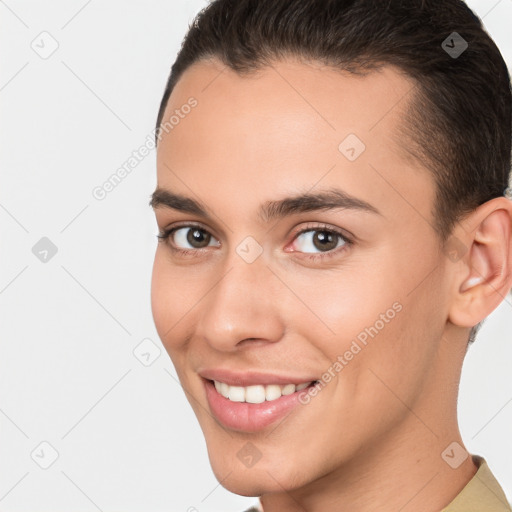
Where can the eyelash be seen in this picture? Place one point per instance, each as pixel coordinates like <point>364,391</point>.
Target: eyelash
<point>164,236</point>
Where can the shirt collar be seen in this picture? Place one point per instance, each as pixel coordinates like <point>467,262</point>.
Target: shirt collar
<point>482,492</point>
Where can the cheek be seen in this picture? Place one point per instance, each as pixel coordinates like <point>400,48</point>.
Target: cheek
<point>367,298</point>
<point>367,315</point>
<point>159,297</point>
<point>169,300</point>
<point>353,303</point>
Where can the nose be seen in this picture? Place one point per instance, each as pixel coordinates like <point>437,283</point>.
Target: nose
<point>243,307</point>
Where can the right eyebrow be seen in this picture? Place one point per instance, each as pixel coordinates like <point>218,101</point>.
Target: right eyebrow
<point>162,198</point>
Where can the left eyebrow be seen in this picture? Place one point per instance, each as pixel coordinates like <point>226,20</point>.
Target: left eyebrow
<point>324,200</point>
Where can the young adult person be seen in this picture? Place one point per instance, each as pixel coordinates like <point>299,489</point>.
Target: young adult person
<point>335,225</point>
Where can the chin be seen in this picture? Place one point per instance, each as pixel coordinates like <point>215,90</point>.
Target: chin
<point>267,475</point>
<point>247,482</point>
<point>249,486</point>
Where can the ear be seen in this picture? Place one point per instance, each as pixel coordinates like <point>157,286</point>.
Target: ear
<point>483,274</point>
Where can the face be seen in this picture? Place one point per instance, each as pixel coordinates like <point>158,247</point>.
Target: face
<point>297,251</point>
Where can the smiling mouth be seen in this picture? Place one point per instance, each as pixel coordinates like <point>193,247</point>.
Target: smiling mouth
<point>258,394</point>
<point>253,407</point>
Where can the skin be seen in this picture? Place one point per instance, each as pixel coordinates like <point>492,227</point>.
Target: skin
<point>372,438</point>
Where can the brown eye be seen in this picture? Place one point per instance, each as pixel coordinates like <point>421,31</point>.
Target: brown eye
<point>325,240</point>
<point>322,240</point>
<point>187,238</point>
<point>190,237</point>
<point>198,238</point>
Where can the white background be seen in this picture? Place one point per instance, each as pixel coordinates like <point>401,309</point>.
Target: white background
<point>126,436</point>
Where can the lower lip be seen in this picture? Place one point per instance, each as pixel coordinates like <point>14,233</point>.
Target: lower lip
<point>245,416</point>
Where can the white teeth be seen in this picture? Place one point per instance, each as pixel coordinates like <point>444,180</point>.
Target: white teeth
<point>224,389</point>
<point>236,394</point>
<point>288,389</point>
<point>272,392</point>
<point>257,394</point>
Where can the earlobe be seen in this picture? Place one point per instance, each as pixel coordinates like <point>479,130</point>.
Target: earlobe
<point>488,265</point>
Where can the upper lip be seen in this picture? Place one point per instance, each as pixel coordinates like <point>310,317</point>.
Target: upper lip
<point>250,378</point>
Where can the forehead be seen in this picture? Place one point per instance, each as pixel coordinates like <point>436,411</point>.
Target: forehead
<point>296,92</point>
<point>291,124</point>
